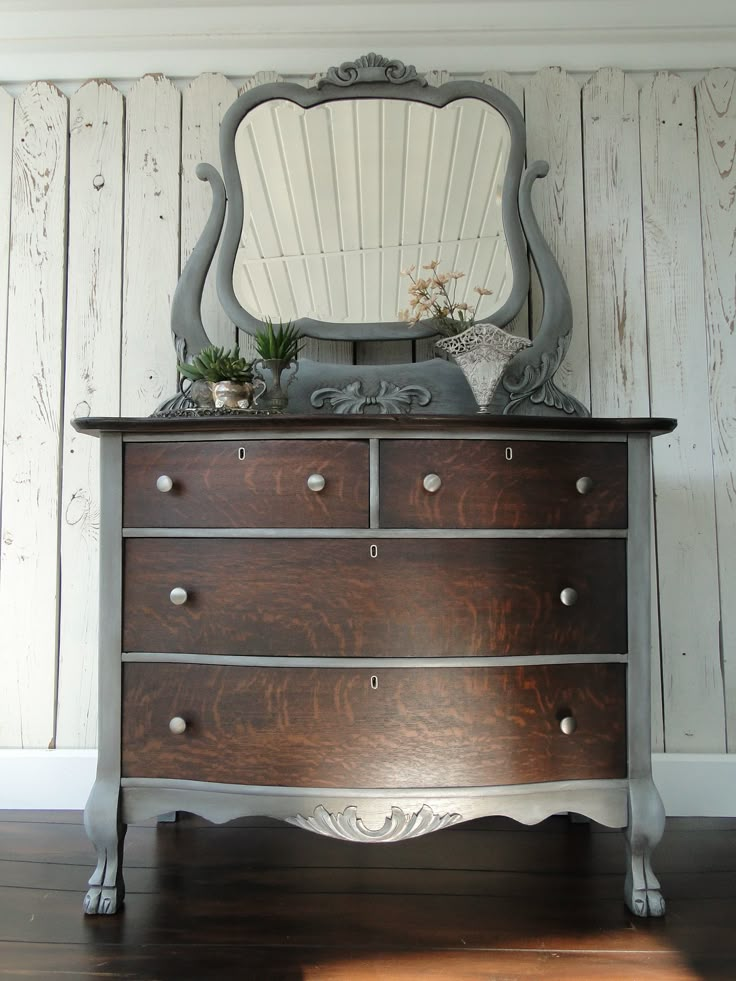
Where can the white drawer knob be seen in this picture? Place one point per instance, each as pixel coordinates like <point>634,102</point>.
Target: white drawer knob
<point>178,725</point>
<point>316,482</point>
<point>568,725</point>
<point>584,485</point>
<point>432,482</point>
<point>569,596</point>
<point>178,596</point>
<point>164,483</point>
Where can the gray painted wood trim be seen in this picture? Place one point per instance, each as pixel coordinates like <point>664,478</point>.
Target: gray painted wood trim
<point>415,91</point>
<point>376,663</point>
<point>111,587</point>
<point>638,574</point>
<point>602,801</point>
<point>374,503</point>
<point>373,533</point>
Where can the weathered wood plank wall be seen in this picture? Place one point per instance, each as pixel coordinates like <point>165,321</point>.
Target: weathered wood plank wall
<point>639,208</point>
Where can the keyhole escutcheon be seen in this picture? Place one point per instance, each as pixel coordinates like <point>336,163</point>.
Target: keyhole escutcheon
<point>509,453</point>
<point>374,551</point>
<point>241,453</point>
<point>374,681</point>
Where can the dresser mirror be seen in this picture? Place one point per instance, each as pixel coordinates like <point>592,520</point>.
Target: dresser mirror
<point>328,192</point>
<point>340,197</point>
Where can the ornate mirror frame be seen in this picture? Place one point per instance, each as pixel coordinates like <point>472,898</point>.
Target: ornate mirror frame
<point>437,386</point>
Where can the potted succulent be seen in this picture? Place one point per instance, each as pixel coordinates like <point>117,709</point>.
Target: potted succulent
<point>225,376</point>
<point>278,348</point>
<point>481,350</point>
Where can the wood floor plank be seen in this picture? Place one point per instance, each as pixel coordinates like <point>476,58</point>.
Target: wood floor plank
<point>33,962</point>
<point>263,901</point>
<point>559,922</point>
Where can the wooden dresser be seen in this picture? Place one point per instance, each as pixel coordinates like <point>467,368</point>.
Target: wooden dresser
<point>375,627</point>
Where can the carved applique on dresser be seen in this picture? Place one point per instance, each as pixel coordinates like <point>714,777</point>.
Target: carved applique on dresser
<point>397,826</point>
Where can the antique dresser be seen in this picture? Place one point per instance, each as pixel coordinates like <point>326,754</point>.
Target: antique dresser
<point>382,612</point>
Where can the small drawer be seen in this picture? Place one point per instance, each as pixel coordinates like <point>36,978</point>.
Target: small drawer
<point>495,484</point>
<point>246,484</point>
<point>374,727</point>
<point>348,597</point>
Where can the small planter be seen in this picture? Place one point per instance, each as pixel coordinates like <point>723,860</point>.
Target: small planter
<point>482,353</point>
<point>236,395</point>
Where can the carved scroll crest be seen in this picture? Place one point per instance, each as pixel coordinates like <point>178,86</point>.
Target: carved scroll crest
<point>370,68</point>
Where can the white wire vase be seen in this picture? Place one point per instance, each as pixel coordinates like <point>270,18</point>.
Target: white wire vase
<point>482,352</point>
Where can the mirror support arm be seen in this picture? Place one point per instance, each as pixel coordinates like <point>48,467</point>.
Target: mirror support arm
<point>186,307</point>
<point>529,380</point>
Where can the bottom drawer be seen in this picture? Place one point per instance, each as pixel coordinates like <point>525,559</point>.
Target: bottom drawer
<point>382,727</point>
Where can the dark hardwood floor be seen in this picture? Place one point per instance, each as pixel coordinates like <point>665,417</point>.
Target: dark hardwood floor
<point>259,900</point>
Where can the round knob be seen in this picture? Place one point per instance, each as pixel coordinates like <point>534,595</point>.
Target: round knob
<point>316,482</point>
<point>569,596</point>
<point>178,596</point>
<point>583,485</point>
<point>432,482</point>
<point>164,483</point>
<point>178,725</point>
<point>568,725</point>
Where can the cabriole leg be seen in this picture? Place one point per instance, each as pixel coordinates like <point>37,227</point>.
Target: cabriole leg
<point>643,834</point>
<point>106,831</point>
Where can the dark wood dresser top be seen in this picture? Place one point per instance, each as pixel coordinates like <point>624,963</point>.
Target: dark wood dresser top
<point>408,423</point>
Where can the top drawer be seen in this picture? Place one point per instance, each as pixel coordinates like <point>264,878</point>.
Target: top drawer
<point>246,484</point>
<point>496,484</point>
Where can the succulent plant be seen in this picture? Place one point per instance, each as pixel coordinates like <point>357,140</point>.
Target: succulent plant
<point>281,343</point>
<point>214,364</point>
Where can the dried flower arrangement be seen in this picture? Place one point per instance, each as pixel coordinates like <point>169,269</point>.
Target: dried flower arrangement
<point>433,298</point>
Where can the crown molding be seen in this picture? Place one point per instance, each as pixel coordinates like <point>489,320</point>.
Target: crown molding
<point>61,39</point>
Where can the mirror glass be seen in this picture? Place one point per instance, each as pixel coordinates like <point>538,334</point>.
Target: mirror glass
<point>340,197</point>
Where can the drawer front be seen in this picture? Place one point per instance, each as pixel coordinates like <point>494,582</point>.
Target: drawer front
<point>494,484</point>
<point>391,727</point>
<point>247,484</point>
<point>332,598</point>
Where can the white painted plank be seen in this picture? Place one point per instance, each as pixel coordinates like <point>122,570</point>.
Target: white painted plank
<point>6,171</point>
<point>30,518</point>
<point>151,243</point>
<point>92,387</point>
<point>204,102</point>
<point>614,246</point>
<point>716,114</point>
<point>683,473</point>
<point>554,134</point>
<point>619,368</point>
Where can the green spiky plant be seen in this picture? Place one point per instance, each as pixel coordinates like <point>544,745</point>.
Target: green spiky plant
<point>282,343</point>
<point>214,364</point>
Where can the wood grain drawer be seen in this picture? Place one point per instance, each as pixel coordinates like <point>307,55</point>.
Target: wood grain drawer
<point>417,597</point>
<point>246,484</point>
<point>494,484</point>
<point>329,727</point>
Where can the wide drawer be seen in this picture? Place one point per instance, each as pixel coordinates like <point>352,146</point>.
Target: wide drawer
<point>383,727</point>
<point>246,484</point>
<point>497,484</point>
<point>389,598</point>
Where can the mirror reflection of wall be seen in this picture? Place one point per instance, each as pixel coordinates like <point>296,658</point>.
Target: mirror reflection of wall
<point>339,198</point>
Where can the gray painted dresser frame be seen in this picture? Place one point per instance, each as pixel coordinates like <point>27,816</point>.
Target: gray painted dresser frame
<point>377,815</point>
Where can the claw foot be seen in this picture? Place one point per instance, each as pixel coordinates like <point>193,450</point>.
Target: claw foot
<point>101,900</point>
<point>645,902</point>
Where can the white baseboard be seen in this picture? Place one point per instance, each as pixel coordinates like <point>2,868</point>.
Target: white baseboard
<point>691,784</point>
